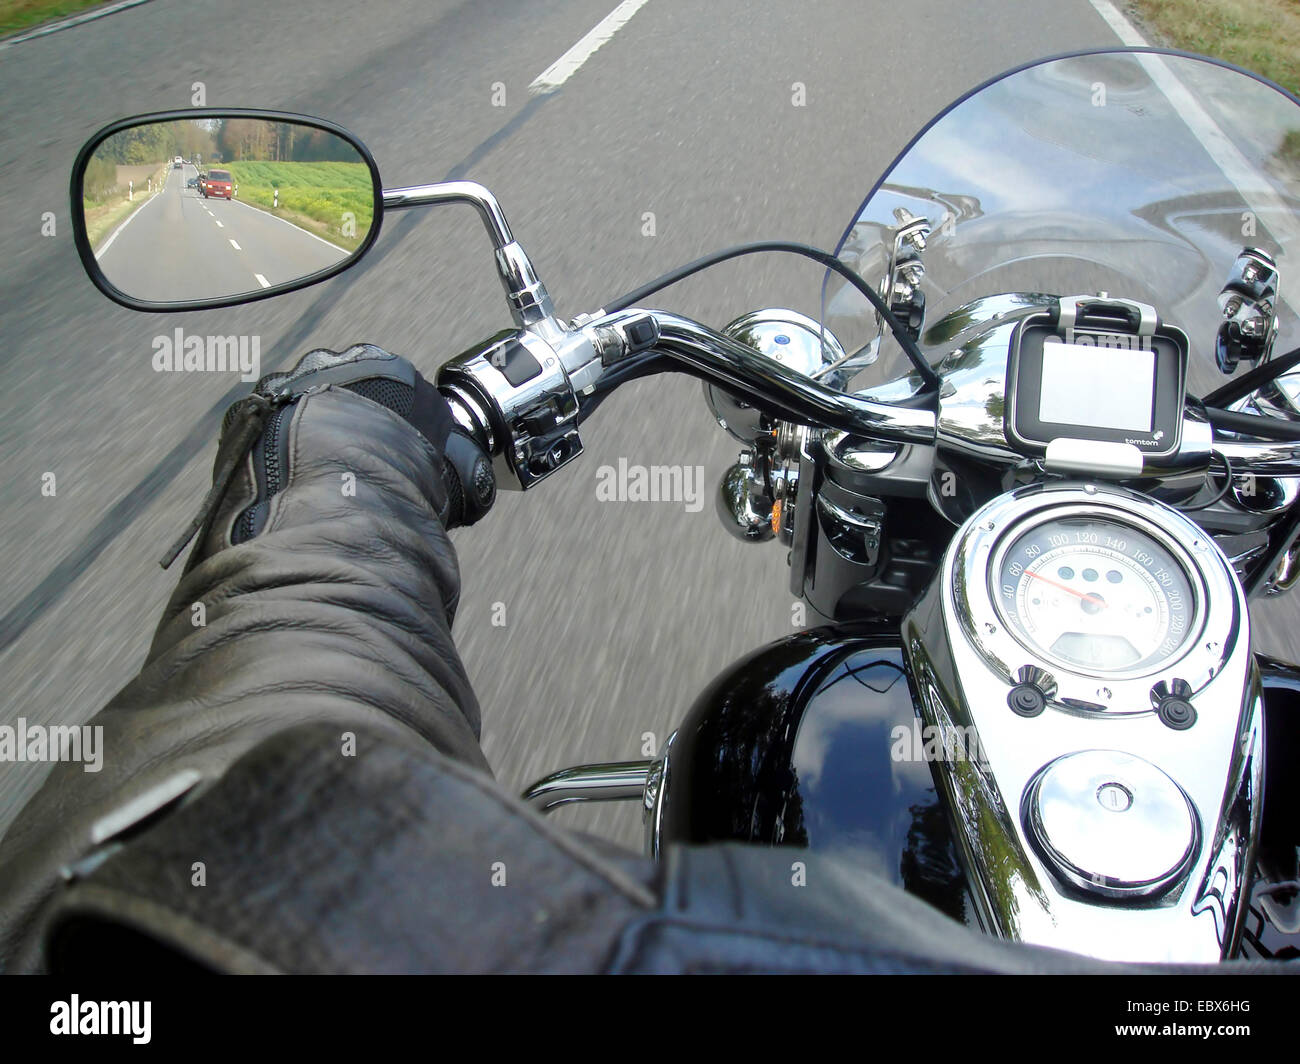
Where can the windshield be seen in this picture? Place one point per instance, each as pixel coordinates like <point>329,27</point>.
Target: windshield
<point>1139,173</point>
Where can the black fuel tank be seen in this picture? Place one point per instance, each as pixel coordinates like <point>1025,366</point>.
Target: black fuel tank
<point>813,741</point>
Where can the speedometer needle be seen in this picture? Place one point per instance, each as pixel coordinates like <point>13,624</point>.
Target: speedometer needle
<point>1096,600</point>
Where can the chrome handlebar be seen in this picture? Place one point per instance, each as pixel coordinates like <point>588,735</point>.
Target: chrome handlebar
<point>520,394</point>
<point>505,415</point>
<point>1265,458</point>
<point>492,405</point>
<point>782,391</point>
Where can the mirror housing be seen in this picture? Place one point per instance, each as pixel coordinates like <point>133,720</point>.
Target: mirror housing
<point>189,255</point>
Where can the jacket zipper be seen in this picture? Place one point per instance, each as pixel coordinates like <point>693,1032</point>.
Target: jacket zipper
<point>271,483</point>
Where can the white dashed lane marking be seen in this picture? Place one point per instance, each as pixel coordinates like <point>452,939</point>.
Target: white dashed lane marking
<point>567,65</point>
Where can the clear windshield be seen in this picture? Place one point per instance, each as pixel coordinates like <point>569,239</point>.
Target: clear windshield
<point>1139,174</point>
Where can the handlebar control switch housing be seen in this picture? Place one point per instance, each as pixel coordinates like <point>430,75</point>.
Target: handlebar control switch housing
<point>517,392</point>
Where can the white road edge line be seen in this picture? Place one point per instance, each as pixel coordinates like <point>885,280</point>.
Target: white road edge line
<point>1255,189</point>
<point>68,23</point>
<point>219,225</point>
<point>103,248</point>
<point>262,280</point>
<point>567,65</point>
<point>300,229</point>
<point>235,246</point>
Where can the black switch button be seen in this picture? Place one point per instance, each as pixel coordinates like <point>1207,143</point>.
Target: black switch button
<point>513,360</point>
<point>641,333</point>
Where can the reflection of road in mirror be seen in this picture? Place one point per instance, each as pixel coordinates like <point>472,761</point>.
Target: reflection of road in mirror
<point>181,245</point>
<point>223,206</point>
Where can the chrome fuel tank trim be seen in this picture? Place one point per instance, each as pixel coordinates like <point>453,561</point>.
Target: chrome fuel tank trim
<point>966,665</point>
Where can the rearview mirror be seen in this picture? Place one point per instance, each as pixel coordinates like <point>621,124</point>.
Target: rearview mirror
<point>206,208</point>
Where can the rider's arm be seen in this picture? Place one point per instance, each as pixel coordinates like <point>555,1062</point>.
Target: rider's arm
<point>320,592</point>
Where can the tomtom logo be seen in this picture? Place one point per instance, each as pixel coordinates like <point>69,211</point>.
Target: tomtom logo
<point>102,1017</point>
<point>1160,435</point>
<point>1118,342</point>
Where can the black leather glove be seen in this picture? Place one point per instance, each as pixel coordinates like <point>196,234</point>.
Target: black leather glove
<point>254,454</point>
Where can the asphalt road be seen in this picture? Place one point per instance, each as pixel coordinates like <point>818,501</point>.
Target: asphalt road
<point>616,615</point>
<point>183,245</point>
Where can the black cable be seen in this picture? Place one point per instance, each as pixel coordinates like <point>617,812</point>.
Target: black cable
<point>631,299</point>
<point>630,369</point>
<point>1227,483</point>
<point>1269,428</point>
<point>1242,386</point>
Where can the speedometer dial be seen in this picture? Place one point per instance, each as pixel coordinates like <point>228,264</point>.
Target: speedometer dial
<point>1095,595</point>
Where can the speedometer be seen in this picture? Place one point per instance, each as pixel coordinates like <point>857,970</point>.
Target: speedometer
<point>1095,595</point>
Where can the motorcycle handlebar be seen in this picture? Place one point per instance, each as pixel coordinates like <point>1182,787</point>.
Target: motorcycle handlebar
<point>785,393</point>
<point>599,352</point>
<point>1266,458</point>
<point>705,353</point>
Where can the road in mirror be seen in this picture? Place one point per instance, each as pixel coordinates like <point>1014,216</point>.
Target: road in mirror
<point>212,208</point>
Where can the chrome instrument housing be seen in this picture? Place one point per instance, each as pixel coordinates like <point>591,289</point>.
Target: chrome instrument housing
<point>965,666</point>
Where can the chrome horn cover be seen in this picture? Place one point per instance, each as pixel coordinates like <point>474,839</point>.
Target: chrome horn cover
<point>785,336</point>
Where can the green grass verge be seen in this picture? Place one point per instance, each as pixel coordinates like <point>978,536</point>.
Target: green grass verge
<point>102,217</point>
<point>1261,35</point>
<point>19,15</point>
<point>333,200</point>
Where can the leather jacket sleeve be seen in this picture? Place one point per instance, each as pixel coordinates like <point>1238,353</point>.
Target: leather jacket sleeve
<point>338,615</point>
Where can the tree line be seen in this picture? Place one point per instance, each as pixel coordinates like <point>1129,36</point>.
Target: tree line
<point>224,140</point>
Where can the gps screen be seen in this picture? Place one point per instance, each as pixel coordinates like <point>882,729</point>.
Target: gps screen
<point>1102,387</point>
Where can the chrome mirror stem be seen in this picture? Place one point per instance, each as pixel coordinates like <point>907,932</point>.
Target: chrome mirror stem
<point>530,304</point>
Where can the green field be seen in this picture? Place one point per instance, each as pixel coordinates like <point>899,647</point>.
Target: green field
<point>18,15</point>
<point>318,196</point>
